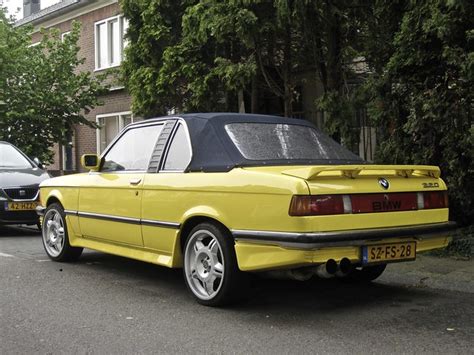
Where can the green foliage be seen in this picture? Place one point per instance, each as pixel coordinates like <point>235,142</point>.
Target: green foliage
<point>42,94</point>
<point>205,55</point>
<point>192,55</point>
<point>423,96</point>
<point>462,244</point>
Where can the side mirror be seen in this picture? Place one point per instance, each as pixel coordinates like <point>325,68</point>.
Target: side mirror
<point>38,163</point>
<point>90,161</point>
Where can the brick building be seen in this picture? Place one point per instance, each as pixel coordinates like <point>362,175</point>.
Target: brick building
<point>101,44</point>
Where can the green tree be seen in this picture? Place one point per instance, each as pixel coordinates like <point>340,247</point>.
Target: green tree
<point>42,94</point>
<point>422,95</point>
<point>187,55</point>
<point>209,55</point>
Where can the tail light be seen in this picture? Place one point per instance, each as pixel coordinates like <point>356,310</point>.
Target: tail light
<point>318,205</point>
<point>435,199</point>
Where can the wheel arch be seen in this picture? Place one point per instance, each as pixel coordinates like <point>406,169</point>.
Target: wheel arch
<point>192,222</point>
<point>53,199</point>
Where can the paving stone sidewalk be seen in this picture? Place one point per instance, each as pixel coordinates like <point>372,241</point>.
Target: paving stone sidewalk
<point>450,273</point>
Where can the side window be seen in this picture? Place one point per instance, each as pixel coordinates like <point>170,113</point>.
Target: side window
<point>133,149</point>
<point>179,153</point>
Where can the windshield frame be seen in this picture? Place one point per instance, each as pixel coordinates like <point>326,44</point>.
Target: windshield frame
<point>28,163</point>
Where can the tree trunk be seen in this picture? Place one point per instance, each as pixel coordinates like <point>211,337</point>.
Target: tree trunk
<point>287,79</point>
<point>241,101</point>
<point>334,57</point>
<point>254,99</point>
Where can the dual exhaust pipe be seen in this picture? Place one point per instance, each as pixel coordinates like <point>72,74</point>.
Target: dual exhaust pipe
<point>325,271</point>
<point>331,268</point>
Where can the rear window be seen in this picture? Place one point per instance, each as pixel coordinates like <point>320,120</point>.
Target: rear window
<point>270,141</point>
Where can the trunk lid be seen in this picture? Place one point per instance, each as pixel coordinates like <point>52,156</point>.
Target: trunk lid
<point>368,178</point>
<point>380,195</point>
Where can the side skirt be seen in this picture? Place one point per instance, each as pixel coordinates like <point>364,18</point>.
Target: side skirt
<point>126,251</point>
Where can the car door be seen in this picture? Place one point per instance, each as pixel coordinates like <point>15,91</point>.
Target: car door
<point>110,199</point>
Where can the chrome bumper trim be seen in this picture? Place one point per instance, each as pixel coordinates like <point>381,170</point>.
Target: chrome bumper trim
<point>149,222</point>
<point>340,238</point>
<point>106,217</point>
<point>40,210</point>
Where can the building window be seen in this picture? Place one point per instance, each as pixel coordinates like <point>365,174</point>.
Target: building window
<point>110,125</point>
<point>109,42</point>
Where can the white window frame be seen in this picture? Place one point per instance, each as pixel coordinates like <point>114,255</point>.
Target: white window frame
<point>64,34</point>
<point>121,125</point>
<point>122,42</point>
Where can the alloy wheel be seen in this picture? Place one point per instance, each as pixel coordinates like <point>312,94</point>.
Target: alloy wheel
<point>204,264</point>
<point>53,232</point>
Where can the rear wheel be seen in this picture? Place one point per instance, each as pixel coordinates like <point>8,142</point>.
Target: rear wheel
<point>210,266</point>
<point>55,235</point>
<point>366,273</point>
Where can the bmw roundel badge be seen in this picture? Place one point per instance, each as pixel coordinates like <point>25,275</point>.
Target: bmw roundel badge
<point>384,183</point>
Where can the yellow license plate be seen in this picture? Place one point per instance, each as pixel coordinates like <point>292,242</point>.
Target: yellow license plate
<point>21,206</point>
<point>383,253</point>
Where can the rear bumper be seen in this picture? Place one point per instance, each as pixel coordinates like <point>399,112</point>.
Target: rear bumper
<point>349,237</point>
<point>275,250</point>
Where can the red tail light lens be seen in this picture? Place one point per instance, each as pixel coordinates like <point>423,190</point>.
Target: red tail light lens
<point>435,199</point>
<point>307,205</point>
<point>316,205</point>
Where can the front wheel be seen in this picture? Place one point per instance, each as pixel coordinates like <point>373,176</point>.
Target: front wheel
<point>210,266</point>
<point>55,235</point>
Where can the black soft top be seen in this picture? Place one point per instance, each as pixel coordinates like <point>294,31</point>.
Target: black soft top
<point>214,150</point>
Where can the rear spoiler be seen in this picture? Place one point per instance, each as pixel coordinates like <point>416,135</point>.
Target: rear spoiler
<point>352,171</point>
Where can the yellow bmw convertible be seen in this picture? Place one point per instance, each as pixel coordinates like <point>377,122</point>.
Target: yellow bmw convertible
<point>221,195</point>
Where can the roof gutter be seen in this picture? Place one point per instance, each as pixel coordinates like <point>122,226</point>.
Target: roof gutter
<point>53,11</point>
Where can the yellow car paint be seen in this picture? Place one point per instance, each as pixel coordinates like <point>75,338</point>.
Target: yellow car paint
<point>261,257</point>
<point>256,198</point>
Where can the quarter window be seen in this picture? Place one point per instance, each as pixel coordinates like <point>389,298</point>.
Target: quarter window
<point>109,42</point>
<point>179,153</point>
<point>132,152</point>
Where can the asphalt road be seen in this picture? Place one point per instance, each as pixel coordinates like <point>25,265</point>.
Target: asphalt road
<point>105,304</point>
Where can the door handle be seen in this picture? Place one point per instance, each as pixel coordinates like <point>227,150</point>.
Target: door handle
<point>135,181</point>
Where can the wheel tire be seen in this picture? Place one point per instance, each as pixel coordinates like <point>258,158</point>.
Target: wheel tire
<point>55,235</point>
<point>210,266</point>
<point>366,273</point>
